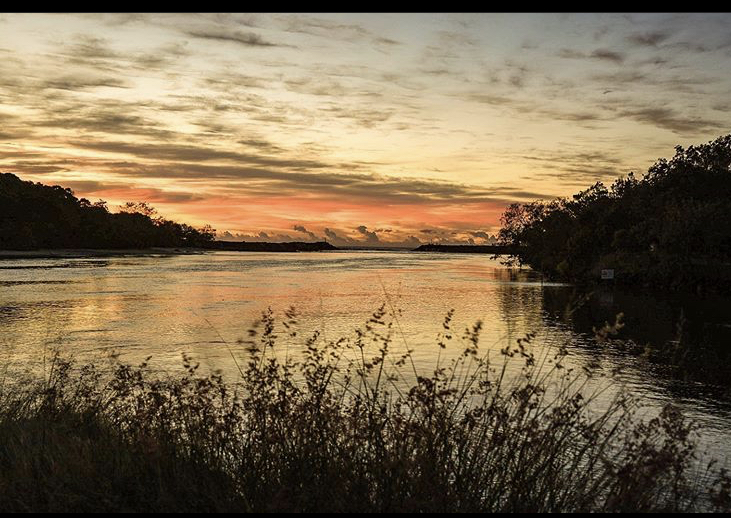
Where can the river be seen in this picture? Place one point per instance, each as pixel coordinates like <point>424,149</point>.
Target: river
<point>163,306</point>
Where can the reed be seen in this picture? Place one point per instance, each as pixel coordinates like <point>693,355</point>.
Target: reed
<point>346,425</point>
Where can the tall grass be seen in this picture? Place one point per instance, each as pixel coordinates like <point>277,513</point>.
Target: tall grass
<point>346,425</point>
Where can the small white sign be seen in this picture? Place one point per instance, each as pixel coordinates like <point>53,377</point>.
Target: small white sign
<point>607,274</point>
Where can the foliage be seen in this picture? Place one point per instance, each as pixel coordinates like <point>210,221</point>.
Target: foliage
<point>36,216</point>
<point>351,425</point>
<point>671,228</point>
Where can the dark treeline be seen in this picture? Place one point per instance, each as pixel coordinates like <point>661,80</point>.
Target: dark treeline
<point>669,229</point>
<point>33,216</point>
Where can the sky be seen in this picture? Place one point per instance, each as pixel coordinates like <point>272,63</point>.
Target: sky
<point>359,129</point>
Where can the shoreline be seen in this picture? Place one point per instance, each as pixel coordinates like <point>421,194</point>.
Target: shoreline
<point>81,253</point>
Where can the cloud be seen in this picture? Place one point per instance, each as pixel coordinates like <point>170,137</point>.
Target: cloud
<point>192,153</point>
<point>324,28</point>
<point>247,39</point>
<point>599,54</point>
<point>671,119</point>
<point>371,238</point>
<point>300,228</point>
<point>112,119</point>
<point>648,39</point>
<point>575,167</point>
<point>386,41</point>
<point>608,55</point>
<point>123,191</point>
<point>84,82</point>
<point>338,240</point>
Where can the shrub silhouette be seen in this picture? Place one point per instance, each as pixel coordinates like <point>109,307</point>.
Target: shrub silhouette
<point>345,425</point>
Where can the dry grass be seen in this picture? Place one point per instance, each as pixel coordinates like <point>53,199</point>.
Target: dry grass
<point>349,426</point>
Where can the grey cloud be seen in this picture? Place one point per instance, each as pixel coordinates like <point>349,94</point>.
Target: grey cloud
<point>608,55</point>
<point>300,228</point>
<point>114,120</point>
<point>119,19</point>
<point>247,39</point>
<point>162,57</point>
<point>386,41</point>
<point>633,77</point>
<point>261,144</point>
<point>672,120</point>
<point>600,54</point>
<point>80,82</point>
<point>324,28</point>
<point>152,195</point>
<point>97,53</point>
<point>15,134</point>
<point>33,167</point>
<point>225,81</point>
<point>193,153</point>
<point>483,235</point>
<point>366,117</point>
<point>278,182</point>
<point>533,109</point>
<point>371,237</point>
<point>575,168</point>
<point>648,39</point>
<point>91,47</point>
<point>338,240</point>
<point>571,54</point>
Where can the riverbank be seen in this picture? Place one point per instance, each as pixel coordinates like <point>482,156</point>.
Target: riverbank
<point>83,253</point>
<point>229,246</point>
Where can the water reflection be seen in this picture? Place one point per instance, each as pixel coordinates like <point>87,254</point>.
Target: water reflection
<point>688,334</point>
<point>201,304</point>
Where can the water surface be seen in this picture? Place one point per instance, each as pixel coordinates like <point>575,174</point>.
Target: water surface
<point>202,304</point>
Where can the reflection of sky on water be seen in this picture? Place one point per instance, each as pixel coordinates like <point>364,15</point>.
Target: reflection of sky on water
<point>164,306</point>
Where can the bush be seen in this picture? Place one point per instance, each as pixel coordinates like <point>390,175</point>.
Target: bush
<point>346,425</point>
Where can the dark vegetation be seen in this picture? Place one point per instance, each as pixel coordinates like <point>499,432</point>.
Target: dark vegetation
<point>346,425</point>
<point>35,216</point>
<point>671,229</point>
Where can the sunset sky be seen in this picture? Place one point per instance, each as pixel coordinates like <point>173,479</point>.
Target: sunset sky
<point>355,128</point>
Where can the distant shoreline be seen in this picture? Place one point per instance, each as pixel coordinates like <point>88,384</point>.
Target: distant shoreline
<point>261,246</point>
<point>467,249</point>
<point>235,246</point>
<point>77,253</point>
<point>218,246</point>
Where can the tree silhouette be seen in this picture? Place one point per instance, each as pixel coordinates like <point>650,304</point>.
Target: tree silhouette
<point>33,215</point>
<point>671,228</point>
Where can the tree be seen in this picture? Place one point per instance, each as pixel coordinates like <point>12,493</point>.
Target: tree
<point>670,228</point>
